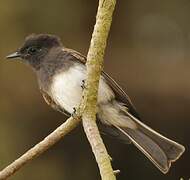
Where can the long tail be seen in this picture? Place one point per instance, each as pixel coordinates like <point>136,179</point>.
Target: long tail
<point>159,149</point>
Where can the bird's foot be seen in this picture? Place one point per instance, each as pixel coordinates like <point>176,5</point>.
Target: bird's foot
<point>83,86</point>
<point>74,114</point>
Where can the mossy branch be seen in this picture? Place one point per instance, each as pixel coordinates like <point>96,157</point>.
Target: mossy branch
<point>94,68</point>
<point>87,110</point>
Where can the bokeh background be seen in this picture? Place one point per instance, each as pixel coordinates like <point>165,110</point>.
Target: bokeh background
<point>148,54</point>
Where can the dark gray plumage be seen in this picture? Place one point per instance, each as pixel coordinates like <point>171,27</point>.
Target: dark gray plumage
<point>60,72</point>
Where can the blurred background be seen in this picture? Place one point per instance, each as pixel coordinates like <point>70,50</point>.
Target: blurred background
<point>148,54</point>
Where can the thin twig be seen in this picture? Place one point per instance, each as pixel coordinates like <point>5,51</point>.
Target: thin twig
<point>39,148</point>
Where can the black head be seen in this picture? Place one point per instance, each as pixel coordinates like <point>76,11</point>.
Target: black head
<point>35,47</point>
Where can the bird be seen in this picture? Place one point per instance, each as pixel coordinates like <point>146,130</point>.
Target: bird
<point>61,73</point>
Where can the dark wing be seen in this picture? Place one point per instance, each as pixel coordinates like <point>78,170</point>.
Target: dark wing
<point>119,93</point>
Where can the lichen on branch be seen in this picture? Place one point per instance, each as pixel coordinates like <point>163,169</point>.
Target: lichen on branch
<point>94,68</point>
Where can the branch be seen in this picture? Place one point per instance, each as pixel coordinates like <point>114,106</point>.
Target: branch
<point>41,147</point>
<point>94,69</point>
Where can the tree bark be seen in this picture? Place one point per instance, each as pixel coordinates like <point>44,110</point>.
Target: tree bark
<point>94,69</point>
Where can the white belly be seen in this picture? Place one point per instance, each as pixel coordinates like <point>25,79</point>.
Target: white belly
<point>66,88</point>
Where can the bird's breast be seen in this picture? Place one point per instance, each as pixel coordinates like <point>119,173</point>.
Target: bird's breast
<point>66,90</point>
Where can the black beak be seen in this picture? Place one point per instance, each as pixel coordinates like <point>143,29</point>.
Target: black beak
<point>13,55</point>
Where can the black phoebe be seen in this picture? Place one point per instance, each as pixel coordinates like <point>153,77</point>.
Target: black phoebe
<point>61,71</point>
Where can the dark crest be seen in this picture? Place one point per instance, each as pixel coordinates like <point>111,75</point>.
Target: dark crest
<point>35,48</point>
<point>41,40</point>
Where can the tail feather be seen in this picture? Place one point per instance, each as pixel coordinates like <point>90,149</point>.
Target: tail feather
<point>159,149</point>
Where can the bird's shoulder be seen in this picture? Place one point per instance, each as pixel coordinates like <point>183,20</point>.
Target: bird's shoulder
<point>75,54</point>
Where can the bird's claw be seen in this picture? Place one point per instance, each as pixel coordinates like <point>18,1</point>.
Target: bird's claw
<point>74,112</point>
<point>83,84</point>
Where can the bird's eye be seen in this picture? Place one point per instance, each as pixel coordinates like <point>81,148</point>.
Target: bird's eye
<point>32,50</point>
